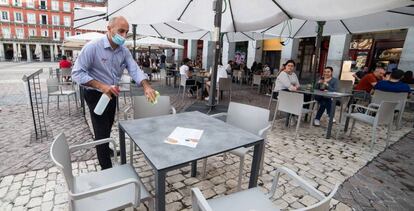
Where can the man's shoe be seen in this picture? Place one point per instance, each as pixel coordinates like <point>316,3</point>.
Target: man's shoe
<point>316,122</point>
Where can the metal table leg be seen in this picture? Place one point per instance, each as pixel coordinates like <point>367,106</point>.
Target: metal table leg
<point>257,155</point>
<point>331,117</point>
<point>160,190</point>
<point>194,168</point>
<point>122,145</point>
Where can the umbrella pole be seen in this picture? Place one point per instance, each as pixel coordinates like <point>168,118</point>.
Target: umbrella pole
<point>318,42</point>
<point>134,34</point>
<point>217,7</point>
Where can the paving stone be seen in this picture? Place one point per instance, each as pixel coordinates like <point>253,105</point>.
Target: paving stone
<point>15,186</point>
<point>48,196</point>
<point>11,195</point>
<point>6,181</point>
<point>61,198</point>
<point>41,174</point>
<point>175,178</point>
<point>308,200</point>
<point>175,206</point>
<point>39,182</point>
<point>172,197</point>
<point>39,191</point>
<point>191,181</point>
<point>3,191</point>
<point>34,202</point>
<point>21,200</point>
<point>47,206</point>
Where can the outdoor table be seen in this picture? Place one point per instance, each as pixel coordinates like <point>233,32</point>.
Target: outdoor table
<point>335,96</point>
<point>218,137</point>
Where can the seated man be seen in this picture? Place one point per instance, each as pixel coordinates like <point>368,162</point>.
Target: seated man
<point>185,70</point>
<point>394,84</point>
<point>221,73</point>
<point>367,83</point>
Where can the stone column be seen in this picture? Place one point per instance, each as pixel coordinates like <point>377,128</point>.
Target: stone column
<point>2,54</point>
<point>192,49</point>
<point>229,49</point>
<point>338,52</point>
<point>178,53</point>
<point>52,54</point>
<point>28,53</point>
<point>407,55</point>
<point>290,51</point>
<point>15,57</point>
<point>207,54</point>
<point>41,58</point>
<point>254,52</point>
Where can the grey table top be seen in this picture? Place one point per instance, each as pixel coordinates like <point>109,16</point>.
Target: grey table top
<point>149,134</point>
<point>325,93</point>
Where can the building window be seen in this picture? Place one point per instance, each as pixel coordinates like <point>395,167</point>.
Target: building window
<point>19,33</point>
<point>78,33</point>
<point>32,32</point>
<point>55,5</point>
<point>66,6</point>
<point>18,17</point>
<point>5,16</point>
<point>30,3</point>
<point>55,20</point>
<point>67,34</point>
<point>31,18</point>
<point>42,4</point>
<point>45,33</point>
<point>43,19</point>
<point>17,3</point>
<point>6,32</point>
<point>56,35</point>
<point>66,21</point>
<point>4,2</point>
<point>78,5</point>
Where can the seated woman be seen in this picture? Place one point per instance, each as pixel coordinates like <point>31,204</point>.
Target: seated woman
<point>188,74</point>
<point>287,79</point>
<point>329,83</point>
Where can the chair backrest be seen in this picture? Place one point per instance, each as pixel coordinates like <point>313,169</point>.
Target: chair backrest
<point>163,73</point>
<point>143,108</point>
<point>324,204</point>
<point>345,86</point>
<point>224,84</point>
<point>257,79</point>
<point>60,154</point>
<point>147,70</point>
<point>183,79</point>
<point>385,112</point>
<point>380,96</point>
<point>52,85</point>
<point>290,102</point>
<point>66,71</point>
<point>247,117</point>
<point>125,82</point>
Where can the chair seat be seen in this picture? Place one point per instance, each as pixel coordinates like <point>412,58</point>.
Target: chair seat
<point>362,117</point>
<point>248,200</point>
<point>105,201</point>
<point>241,152</point>
<point>64,92</point>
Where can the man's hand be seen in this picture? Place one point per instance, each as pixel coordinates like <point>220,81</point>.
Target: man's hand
<point>149,92</point>
<point>106,89</point>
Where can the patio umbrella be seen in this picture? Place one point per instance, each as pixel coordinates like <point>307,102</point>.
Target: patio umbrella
<point>76,42</point>
<point>154,43</point>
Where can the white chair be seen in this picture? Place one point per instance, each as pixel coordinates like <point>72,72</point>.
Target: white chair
<point>255,199</point>
<point>292,103</point>
<point>125,86</point>
<point>401,98</point>
<point>257,80</point>
<point>65,73</point>
<point>55,89</point>
<point>344,86</point>
<point>384,115</point>
<point>185,86</point>
<point>110,189</point>
<point>143,109</point>
<point>250,118</point>
<point>271,96</point>
<point>223,85</point>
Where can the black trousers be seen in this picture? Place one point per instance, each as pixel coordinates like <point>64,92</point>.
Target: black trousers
<point>102,125</point>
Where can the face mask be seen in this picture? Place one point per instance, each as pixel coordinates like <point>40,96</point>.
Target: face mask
<point>118,39</point>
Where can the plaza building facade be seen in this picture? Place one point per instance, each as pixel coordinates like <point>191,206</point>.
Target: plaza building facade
<point>33,30</point>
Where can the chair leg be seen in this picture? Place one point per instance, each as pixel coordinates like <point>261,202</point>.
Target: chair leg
<point>352,127</point>
<point>374,137</point>
<point>58,102</point>
<point>47,105</point>
<point>262,161</point>
<point>388,134</point>
<point>297,126</point>
<point>69,103</point>
<point>240,173</point>
<point>274,115</point>
<point>340,113</point>
<point>131,152</point>
<point>204,171</point>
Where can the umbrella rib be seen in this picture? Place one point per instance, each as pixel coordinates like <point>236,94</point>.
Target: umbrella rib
<point>247,36</point>
<point>185,9</point>
<point>99,15</point>
<point>227,36</point>
<point>121,8</point>
<point>232,17</point>
<point>173,28</point>
<point>300,28</point>
<point>281,8</point>
<point>156,30</point>
<point>203,35</point>
<point>88,23</point>
<point>269,28</point>
<point>345,26</point>
<point>401,13</point>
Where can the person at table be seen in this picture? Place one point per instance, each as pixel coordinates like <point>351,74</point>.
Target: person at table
<point>99,67</point>
<point>229,68</point>
<point>326,83</point>
<point>287,79</point>
<point>65,63</point>
<point>367,83</point>
<point>221,73</point>
<point>360,74</point>
<point>186,72</point>
<point>393,84</point>
<point>408,77</point>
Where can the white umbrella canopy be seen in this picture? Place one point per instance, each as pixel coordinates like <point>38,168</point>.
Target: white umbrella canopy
<point>154,43</point>
<point>393,19</point>
<point>94,18</point>
<point>246,15</point>
<point>76,42</point>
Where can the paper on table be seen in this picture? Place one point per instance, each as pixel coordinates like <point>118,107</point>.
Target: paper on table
<point>184,136</point>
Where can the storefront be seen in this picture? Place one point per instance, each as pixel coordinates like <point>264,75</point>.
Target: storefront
<point>271,53</point>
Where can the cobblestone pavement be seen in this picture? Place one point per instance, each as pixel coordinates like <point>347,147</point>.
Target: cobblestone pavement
<point>320,161</point>
<point>387,183</point>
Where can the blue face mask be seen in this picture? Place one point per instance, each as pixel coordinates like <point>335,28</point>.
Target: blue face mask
<point>118,39</point>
